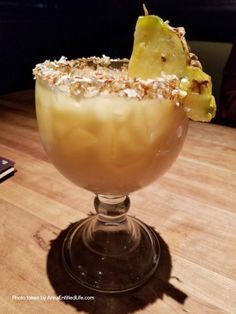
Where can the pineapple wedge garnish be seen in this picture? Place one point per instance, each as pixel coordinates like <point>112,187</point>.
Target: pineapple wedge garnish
<point>159,48</point>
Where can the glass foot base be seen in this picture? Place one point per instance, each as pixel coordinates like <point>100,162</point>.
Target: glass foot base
<point>111,258</point>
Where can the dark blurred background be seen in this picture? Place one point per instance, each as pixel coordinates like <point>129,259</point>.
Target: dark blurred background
<point>32,31</point>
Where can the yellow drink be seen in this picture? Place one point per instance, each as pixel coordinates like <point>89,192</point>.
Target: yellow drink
<point>113,127</point>
<point>109,144</point>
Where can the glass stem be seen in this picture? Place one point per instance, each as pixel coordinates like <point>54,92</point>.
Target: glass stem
<point>111,231</point>
<point>112,209</point>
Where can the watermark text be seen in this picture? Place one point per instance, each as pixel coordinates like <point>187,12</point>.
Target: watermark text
<point>52,297</point>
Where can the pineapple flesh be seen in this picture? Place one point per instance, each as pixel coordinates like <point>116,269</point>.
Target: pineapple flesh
<point>159,48</point>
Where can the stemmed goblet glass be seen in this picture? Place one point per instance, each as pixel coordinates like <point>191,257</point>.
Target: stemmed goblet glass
<point>111,135</point>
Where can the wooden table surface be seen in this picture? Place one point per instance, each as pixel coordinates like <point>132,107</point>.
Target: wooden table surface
<point>192,207</point>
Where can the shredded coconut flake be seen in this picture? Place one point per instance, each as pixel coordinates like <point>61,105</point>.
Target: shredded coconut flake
<point>130,92</point>
<point>92,76</point>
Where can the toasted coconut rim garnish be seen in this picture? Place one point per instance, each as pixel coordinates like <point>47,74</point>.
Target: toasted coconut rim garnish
<point>89,77</point>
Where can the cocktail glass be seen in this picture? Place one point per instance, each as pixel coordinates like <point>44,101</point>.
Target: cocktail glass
<point>112,136</point>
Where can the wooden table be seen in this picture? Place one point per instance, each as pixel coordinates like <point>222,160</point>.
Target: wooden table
<point>193,208</point>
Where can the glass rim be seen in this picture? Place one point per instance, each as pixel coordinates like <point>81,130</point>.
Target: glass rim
<point>94,76</point>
